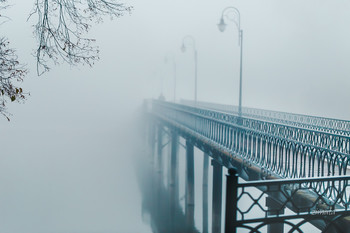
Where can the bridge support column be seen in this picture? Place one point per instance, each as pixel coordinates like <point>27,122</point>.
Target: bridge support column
<point>231,201</point>
<point>173,181</point>
<point>189,204</point>
<point>154,172</point>
<point>159,170</point>
<point>159,153</point>
<point>152,140</point>
<point>217,196</point>
<point>274,208</point>
<point>205,192</point>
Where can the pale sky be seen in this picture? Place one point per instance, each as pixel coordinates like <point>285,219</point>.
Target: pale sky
<point>65,156</point>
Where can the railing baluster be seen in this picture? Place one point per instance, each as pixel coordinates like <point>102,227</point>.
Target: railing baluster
<point>286,150</point>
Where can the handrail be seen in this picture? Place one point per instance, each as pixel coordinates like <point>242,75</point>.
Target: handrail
<point>288,151</point>
<point>326,140</point>
<point>307,197</point>
<point>335,126</point>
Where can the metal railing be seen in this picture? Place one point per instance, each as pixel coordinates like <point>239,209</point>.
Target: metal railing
<point>334,126</point>
<point>314,166</point>
<point>323,201</point>
<point>288,152</point>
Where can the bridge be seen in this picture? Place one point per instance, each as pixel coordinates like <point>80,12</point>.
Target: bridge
<point>285,171</point>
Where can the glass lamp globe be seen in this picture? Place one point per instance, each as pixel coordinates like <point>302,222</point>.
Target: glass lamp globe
<point>183,48</point>
<point>222,25</point>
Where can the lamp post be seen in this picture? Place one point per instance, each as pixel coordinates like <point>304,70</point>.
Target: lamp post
<point>174,70</point>
<point>161,96</point>
<point>190,39</point>
<point>222,26</point>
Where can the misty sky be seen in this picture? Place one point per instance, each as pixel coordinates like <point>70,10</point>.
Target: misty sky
<point>65,156</point>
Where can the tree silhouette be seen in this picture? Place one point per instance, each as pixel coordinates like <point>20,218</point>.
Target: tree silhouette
<point>61,29</point>
<point>10,71</point>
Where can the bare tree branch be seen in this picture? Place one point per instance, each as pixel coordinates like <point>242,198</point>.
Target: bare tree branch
<point>62,25</point>
<point>60,31</point>
<point>11,71</point>
<point>3,18</point>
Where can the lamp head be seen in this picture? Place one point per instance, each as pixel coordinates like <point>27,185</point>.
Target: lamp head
<point>222,25</point>
<point>183,48</point>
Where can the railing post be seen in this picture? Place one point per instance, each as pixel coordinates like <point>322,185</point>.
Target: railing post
<point>217,196</point>
<point>189,205</point>
<point>274,208</point>
<point>231,201</point>
<point>173,181</point>
<point>205,192</point>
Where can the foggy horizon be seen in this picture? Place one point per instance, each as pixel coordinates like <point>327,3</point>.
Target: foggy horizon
<point>67,161</point>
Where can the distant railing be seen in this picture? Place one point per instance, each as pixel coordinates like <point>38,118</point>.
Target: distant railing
<point>287,151</point>
<point>334,126</point>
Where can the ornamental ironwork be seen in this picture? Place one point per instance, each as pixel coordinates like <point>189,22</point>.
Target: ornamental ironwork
<point>323,124</point>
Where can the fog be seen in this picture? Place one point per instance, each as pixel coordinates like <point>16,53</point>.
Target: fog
<point>66,155</point>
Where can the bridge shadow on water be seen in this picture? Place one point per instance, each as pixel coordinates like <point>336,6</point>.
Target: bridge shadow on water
<point>158,208</point>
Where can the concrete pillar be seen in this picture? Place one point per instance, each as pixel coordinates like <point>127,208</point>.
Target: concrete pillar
<point>173,180</point>
<point>274,208</point>
<point>159,152</point>
<point>159,171</point>
<point>205,192</point>
<point>152,140</point>
<point>189,204</point>
<point>217,196</point>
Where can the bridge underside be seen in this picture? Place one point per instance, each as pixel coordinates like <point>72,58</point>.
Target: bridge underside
<point>158,208</point>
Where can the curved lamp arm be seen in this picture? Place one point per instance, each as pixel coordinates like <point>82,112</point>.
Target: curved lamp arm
<point>236,19</point>
<point>189,39</point>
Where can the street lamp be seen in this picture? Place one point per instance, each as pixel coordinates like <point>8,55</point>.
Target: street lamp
<point>222,26</point>
<point>190,40</point>
<point>166,59</point>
